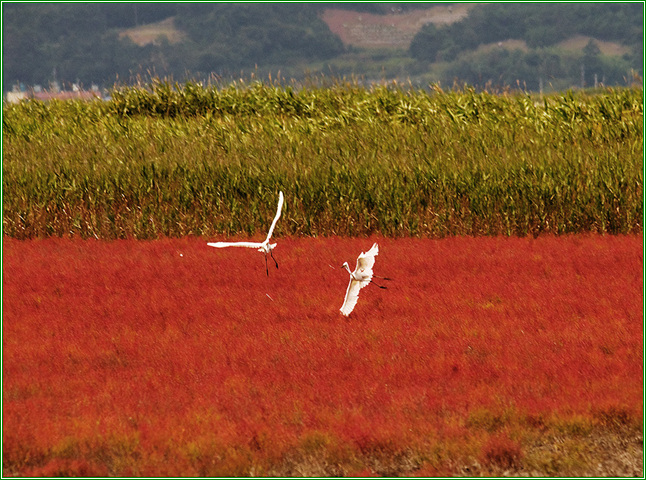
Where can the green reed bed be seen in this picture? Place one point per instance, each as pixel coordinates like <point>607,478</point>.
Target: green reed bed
<point>173,160</point>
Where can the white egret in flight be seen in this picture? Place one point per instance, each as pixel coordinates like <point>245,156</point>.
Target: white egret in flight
<point>265,246</point>
<point>360,278</point>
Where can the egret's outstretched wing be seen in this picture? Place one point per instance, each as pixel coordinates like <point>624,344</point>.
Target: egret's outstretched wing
<point>281,199</point>
<point>366,261</point>
<point>235,244</point>
<point>351,297</point>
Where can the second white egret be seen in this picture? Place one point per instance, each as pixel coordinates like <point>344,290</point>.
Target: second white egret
<point>360,278</point>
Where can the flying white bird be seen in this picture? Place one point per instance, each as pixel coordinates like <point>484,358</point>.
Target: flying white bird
<point>265,246</point>
<point>360,278</point>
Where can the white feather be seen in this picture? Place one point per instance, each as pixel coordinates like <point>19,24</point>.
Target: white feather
<point>359,278</point>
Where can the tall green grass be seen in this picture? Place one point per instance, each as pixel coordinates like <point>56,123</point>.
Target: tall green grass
<point>170,160</point>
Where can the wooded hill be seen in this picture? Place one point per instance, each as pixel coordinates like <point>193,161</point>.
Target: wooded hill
<point>499,45</point>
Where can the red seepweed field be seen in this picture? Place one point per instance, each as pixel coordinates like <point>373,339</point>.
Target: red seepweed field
<point>485,356</point>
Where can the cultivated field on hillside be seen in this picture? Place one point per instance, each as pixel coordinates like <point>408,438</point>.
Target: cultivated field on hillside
<point>485,356</point>
<point>362,29</point>
<point>154,32</point>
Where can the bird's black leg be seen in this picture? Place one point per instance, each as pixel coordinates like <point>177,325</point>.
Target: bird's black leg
<point>266,268</point>
<point>383,278</point>
<point>272,257</point>
<point>377,285</point>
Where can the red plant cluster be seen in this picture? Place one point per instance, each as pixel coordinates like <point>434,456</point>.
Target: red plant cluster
<point>500,450</point>
<point>168,357</point>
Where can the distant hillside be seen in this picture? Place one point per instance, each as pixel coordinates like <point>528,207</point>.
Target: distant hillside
<point>500,44</point>
<point>545,29</point>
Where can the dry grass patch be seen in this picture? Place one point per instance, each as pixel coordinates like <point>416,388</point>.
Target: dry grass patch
<point>578,42</point>
<point>152,32</point>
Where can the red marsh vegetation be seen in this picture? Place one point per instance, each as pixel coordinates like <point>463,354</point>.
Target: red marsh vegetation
<point>167,357</point>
